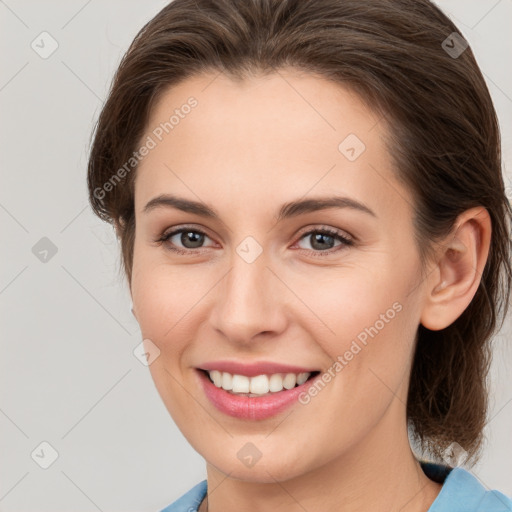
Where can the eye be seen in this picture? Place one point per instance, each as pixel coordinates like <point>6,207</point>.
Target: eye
<point>322,241</point>
<point>190,238</point>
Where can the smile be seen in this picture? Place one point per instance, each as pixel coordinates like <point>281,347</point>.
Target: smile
<point>259,385</point>
<point>254,397</point>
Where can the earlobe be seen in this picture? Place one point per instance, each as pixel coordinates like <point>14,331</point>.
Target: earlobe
<point>461,261</point>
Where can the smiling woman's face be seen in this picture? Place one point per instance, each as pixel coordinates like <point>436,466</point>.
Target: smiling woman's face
<point>263,285</point>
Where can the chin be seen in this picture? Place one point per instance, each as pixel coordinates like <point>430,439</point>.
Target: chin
<point>261,473</point>
<point>273,465</point>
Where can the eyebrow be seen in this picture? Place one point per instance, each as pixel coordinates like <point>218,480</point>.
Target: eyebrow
<point>287,210</point>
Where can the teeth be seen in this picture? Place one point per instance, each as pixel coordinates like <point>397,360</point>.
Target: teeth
<point>241,384</point>
<point>216,376</point>
<point>227,381</point>
<point>275,382</point>
<point>302,377</point>
<point>259,385</point>
<point>289,381</point>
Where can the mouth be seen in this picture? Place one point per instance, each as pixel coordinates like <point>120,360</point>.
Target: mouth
<point>255,397</point>
<point>259,385</point>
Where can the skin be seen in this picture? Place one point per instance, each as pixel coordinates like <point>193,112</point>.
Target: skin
<point>247,148</point>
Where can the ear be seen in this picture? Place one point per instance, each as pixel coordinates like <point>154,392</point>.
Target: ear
<point>453,282</point>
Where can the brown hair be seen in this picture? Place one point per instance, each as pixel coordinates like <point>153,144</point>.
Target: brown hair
<point>443,136</point>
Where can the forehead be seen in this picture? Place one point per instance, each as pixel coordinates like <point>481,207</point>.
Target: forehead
<point>289,104</point>
<point>285,133</point>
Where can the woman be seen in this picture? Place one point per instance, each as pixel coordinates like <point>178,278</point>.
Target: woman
<point>314,228</point>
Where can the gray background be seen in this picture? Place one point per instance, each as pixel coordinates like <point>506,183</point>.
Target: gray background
<point>68,375</point>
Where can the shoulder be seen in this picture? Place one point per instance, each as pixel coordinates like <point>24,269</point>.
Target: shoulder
<point>189,501</point>
<point>463,492</point>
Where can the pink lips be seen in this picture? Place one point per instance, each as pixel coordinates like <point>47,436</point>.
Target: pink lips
<point>252,408</point>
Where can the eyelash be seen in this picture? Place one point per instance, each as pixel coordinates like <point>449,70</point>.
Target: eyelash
<point>345,242</point>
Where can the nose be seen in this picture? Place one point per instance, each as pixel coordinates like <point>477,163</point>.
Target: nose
<point>250,302</point>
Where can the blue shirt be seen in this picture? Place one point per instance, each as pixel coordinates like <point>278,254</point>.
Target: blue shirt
<point>461,492</point>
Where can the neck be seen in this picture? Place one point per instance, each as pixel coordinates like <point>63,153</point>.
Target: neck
<point>379,473</point>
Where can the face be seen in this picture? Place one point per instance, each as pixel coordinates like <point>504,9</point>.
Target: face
<point>256,286</point>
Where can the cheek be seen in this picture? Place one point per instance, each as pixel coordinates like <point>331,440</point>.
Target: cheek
<point>366,323</point>
<point>346,305</point>
<point>161,294</point>
<point>161,303</point>
<point>157,305</point>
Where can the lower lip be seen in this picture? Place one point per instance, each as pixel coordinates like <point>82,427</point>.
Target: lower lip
<point>252,408</point>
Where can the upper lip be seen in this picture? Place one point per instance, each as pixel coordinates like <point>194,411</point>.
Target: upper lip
<point>254,368</point>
